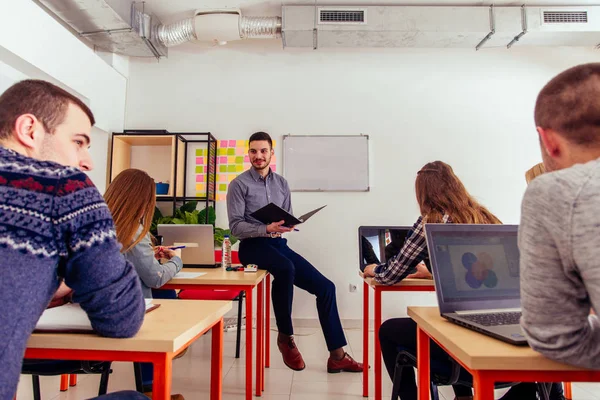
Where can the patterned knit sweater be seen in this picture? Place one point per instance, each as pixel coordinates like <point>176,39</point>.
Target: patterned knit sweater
<point>54,224</point>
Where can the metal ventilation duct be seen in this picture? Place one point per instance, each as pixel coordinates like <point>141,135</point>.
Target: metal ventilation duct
<point>117,26</point>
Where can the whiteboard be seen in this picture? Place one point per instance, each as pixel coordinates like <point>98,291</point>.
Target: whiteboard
<point>326,163</point>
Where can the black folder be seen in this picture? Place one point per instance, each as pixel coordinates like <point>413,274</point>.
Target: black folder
<point>273,213</point>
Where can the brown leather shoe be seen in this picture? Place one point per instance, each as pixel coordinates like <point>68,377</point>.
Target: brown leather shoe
<point>347,364</point>
<point>291,355</point>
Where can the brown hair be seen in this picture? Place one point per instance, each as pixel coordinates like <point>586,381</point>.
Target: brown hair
<point>130,194</point>
<point>570,105</point>
<point>439,192</point>
<point>46,101</point>
<point>535,171</point>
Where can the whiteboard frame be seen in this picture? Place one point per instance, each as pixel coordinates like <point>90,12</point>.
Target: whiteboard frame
<point>368,189</point>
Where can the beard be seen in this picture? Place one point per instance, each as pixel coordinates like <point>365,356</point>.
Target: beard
<point>263,165</point>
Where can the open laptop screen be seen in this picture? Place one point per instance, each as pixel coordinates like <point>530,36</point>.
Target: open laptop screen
<point>474,262</point>
<point>377,244</point>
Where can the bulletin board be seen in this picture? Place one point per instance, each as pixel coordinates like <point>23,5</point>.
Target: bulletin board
<point>326,163</point>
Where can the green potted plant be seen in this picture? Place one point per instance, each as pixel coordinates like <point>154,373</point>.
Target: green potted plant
<point>188,214</point>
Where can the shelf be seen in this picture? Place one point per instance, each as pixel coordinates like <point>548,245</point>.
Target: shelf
<point>170,198</point>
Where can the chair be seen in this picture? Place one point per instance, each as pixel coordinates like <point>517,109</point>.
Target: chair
<point>210,294</point>
<point>407,360</point>
<point>37,368</point>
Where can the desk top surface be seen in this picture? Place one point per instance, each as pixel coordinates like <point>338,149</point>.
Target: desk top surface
<point>220,276</point>
<point>403,283</point>
<point>478,351</point>
<point>165,329</point>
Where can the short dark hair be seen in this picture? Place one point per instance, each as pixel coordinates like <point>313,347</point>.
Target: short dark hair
<point>570,105</point>
<point>46,101</point>
<point>261,136</point>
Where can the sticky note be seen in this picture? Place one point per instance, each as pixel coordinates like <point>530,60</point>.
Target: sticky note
<point>246,159</point>
<point>199,152</point>
<point>223,160</point>
<point>239,151</point>
<point>231,152</point>
<point>274,168</point>
<point>206,169</point>
<point>246,167</point>
<point>200,178</point>
<point>232,143</point>
<point>239,167</point>
<point>230,159</point>
<point>222,187</point>
<point>200,188</point>
<point>231,168</point>
<point>221,152</point>
<point>199,160</point>
<point>242,143</point>
<point>223,143</point>
<point>239,160</point>
<point>231,177</point>
<point>222,178</point>
<point>222,168</point>
<point>199,169</point>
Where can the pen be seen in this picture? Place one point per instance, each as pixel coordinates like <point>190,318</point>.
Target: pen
<point>177,247</point>
<point>297,230</point>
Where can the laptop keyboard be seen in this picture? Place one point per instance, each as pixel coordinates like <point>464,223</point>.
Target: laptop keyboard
<point>505,318</point>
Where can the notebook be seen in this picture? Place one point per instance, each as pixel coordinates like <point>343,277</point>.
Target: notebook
<point>70,318</point>
<point>273,213</point>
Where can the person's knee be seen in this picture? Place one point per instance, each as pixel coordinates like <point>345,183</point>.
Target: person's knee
<point>385,330</point>
<point>325,289</point>
<point>284,271</point>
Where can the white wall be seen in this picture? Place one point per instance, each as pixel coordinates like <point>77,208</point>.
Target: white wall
<point>470,109</point>
<point>35,44</point>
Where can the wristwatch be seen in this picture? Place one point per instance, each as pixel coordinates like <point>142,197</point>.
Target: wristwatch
<point>275,235</point>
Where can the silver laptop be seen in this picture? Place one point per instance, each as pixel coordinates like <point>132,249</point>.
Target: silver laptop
<point>198,240</point>
<point>476,276</point>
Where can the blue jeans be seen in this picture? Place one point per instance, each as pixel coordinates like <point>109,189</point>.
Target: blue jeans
<point>290,269</point>
<point>124,395</point>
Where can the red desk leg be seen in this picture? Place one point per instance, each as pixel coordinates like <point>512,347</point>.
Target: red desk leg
<point>568,394</point>
<point>249,320</point>
<point>64,383</point>
<point>422,364</point>
<point>377,321</point>
<point>73,380</point>
<point>163,374</point>
<point>483,385</point>
<point>365,339</point>
<point>216,362</point>
<point>259,338</point>
<point>268,322</point>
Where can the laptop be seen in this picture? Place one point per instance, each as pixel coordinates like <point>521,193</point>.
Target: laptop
<point>476,276</point>
<point>377,244</point>
<point>198,240</point>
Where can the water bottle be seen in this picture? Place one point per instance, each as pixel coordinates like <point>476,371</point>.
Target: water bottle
<point>226,252</point>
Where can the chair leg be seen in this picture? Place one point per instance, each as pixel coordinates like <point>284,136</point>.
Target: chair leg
<point>36,387</point>
<point>396,383</point>
<point>137,372</point>
<point>434,391</point>
<point>73,380</point>
<point>64,383</point>
<point>103,388</point>
<point>568,394</point>
<point>239,325</point>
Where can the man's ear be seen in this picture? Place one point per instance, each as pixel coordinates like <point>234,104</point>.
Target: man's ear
<point>549,141</point>
<point>27,131</point>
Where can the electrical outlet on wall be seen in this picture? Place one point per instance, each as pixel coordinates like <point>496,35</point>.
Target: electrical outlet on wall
<point>352,287</point>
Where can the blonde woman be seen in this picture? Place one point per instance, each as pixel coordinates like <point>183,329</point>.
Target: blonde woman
<point>131,199</point>
<point>535,171</point>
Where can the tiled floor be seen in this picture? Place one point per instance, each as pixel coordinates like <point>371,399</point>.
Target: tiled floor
<point>191,375</point>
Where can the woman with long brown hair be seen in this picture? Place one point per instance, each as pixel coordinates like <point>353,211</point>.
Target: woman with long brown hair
<point>131,199</point>
<point>442,198</point>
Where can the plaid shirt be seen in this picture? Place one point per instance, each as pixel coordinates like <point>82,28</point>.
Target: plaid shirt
<point>413,252</point>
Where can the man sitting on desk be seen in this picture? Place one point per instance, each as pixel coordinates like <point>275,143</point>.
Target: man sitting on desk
<point>264,245</point>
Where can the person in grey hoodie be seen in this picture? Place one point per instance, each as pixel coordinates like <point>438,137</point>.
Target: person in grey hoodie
<point>559,237</point>
<point>131,198</point>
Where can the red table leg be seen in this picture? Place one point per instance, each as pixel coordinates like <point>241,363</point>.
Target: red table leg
<point>422,364</point>
<point>163,374</point>
<point>568,394</point>
<point>483,385</point>
<point>216,362</point>
<point>259,338</point>
<point>378,392</point>
<point>365,339</point>
<point>73,380</point>
<point>249,320</point>
<point>64,383</point>
<point>268,322</point>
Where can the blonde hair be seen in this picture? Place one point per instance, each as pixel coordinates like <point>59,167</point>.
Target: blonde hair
<point>534,172</point>
<point>439,192</point>
<point>131,199</point>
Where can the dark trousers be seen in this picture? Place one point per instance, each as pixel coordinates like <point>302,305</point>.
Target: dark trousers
<point>124,395</point>
<point>290,269</point>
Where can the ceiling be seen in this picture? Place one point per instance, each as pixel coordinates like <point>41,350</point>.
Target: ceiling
<point>172,10</point>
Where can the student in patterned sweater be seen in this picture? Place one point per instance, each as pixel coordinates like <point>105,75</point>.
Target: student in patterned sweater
<point>54,225</point>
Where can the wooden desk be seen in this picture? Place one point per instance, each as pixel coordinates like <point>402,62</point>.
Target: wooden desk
<point>407,285</point>
<point>489,360</point>
<point>166,332</point>
<point>219,278</point>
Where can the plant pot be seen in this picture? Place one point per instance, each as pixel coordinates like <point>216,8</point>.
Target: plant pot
<point>162,188</point>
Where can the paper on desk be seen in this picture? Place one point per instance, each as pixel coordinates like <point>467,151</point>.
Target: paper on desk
<point>68,318</point>
<point>188,275</point>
